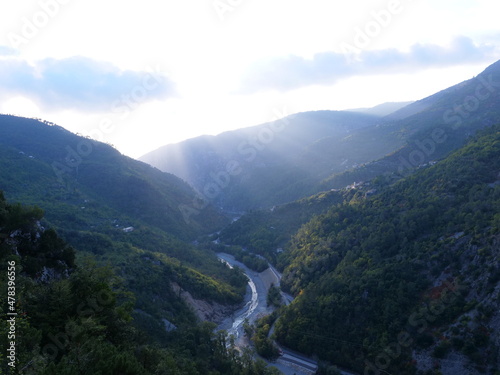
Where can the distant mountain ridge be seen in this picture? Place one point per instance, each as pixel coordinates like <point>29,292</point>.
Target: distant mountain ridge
<point>275,139</point>
<point>265,157</point>
<point>430,128</point>
<point>316,151</point>
<point>382,110</point>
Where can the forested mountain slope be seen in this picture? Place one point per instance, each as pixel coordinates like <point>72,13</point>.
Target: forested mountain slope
<point>122,212</point>
<point>407,278</point>
<point>264,232</point>
<point>78,319</point>
<point>48,165</point>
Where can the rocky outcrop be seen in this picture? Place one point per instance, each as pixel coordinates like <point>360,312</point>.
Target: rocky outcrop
<point>205,311</point>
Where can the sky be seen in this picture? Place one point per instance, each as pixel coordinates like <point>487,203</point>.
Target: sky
<point>140,75</point>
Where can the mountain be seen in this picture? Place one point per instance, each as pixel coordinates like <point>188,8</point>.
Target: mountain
<point>66,317</point>
<point>382,110</point>
<point>47,165</point>
<point>428,129</point>
<point>260,163</point>
<point>385,229</point>
<point>418,257</point>
<point>395,277</point>
<point>239,172</point>
<point>121,212</point>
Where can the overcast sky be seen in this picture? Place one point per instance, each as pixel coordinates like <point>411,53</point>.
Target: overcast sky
<point>141,74</point>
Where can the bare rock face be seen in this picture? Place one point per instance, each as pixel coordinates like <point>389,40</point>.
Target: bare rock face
<point>205,311</point>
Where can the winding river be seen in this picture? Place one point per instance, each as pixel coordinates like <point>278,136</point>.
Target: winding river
<point>246,312</point>
<point>254,301</point>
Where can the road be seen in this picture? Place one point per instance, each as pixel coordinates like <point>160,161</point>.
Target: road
<point>286,297</point>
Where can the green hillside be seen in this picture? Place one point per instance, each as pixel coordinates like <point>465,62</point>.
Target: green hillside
<point>42,163</point>
<point>265,231</point>
<point>120,211</point>
<point>377,267</point>
<point>79,319</point>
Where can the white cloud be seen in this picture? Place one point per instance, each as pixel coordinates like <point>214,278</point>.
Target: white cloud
<point>326,68</point>
<point>82,84</point>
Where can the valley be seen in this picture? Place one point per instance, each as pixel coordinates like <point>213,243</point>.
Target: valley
<point>366,240</point>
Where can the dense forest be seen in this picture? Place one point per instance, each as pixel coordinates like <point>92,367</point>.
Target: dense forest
<point>411,262</point>
<point>62,172</point>
<point>92,213</point>
<point>365,268</point>
<point>76,317</point>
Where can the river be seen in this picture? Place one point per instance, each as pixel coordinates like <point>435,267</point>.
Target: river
<point>238,318</point>
<point>255,302</point>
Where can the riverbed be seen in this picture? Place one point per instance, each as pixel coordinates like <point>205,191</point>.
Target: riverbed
<point>255,305</point>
